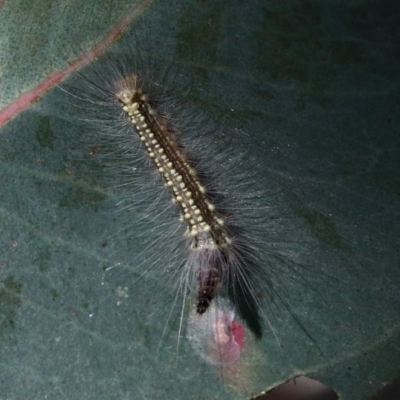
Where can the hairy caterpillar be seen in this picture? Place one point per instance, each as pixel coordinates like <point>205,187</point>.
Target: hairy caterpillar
<point>210,241</point>
<point>229,245</point>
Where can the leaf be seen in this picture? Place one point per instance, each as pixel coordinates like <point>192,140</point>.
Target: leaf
<point>315,87</point>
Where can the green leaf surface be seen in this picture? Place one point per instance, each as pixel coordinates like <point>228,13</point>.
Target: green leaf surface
<point>312,89</point>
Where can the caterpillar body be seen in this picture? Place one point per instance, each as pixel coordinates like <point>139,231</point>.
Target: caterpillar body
<point>149,140</point>
<point>210,242</point>
<point>235,245</point>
